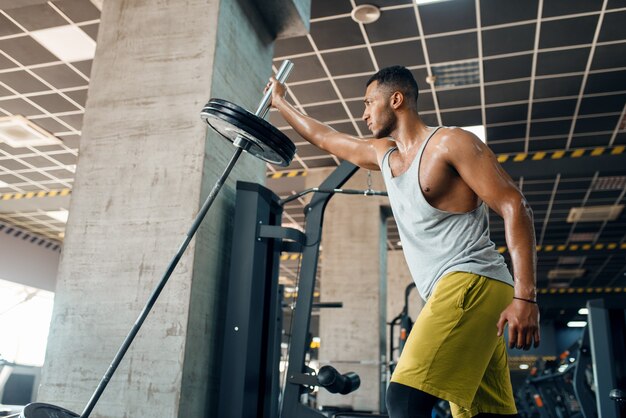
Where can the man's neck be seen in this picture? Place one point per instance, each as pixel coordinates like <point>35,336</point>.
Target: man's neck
<point>411,132</point>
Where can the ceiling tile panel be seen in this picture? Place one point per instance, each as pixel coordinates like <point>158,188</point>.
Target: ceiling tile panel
<point>452,48</point>
<point>328,112</point>
<point>91,30</point>
<point>7,27</point>
<point>498,133</point>
<point>60,76</point>
<point>356,108</point>
<point>36,17</point>
<point>497,12</point>
<point>407,54</point>
<point>508,68</point>
<point>429,119</point>
<point>329,8</point>
<point>609,56</point>
<point>336,33</point>
<point>26,50</point>
<point>606,82</point>
<point>79,96</point>
<point>347,127</point>
<point>78,10</point>
<point>564,32</point>
<point>507,92</point>
<point>22,82</point>
<point>76,121</point>
<point>291,46</point>
<point>420,75</point>
<point>511,113</point>
<point>590,141</point>
<point>462,118</point>
<point>352,87</point>
<point>448,16</point>
<point>569,7</point>
<point>393,25</point>
<point>5,92</point>
<point>558,87</point>
<point>66,158</point>
<point>449,99</point>
<point>54,103</point>
<point>307,68</point>
<point>613,28</point>
<point>558,127</point>
<point>558,62</point>
<point>85,67</point>
<point>425,102</point>
<point>508,39</point>
<point>604,123</point>
<point>602,104</point>
<point>19,107</point>
<point>6,63</point>
<point>506,147</point>
<point>320,162</point>
<point>314,92</point>
<point>554,109</point>
<point>346,62</point>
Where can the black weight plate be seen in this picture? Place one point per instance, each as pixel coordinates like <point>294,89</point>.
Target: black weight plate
<point>231,128</point>
<point>266,135</point>
<point>252,118</point>
<point>269,140</point>
<point>281,144</point>
<point>44,410</point>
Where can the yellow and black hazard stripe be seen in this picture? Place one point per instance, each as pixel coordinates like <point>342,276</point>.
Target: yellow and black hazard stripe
<point>292,257</point>
<point>580,290</point>
<point>286,174</point>
<point>31,195</point>
<point>602,246</point>
<point>557,155</point>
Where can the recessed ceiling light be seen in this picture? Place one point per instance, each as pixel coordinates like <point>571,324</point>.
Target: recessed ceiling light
<point>524,366</point>
<point>577,324</point>
<point>59,215</point>
<point>17,131</point>
<point>479,131</point>
<point>365,13</point>
<point>583,311</point>
<point>68,43</point>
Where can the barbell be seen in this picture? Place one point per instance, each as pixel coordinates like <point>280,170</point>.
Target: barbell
<point>248,132</point>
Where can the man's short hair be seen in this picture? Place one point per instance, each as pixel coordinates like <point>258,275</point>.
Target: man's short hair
<point>397,78</point>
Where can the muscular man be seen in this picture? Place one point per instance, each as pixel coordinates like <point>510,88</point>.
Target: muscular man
<point>440,182</point>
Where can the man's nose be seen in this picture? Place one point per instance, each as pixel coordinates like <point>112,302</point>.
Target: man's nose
<point>365,116</point>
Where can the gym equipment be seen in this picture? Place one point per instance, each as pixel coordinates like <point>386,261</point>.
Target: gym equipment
<point>247,132</point>
<point>591,385</point>
<point>404,321</point>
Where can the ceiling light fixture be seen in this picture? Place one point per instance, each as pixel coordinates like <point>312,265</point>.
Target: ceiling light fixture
<point>583,311</point>
<point>365,14</point>
<point>59,215</point>
<point>17,131</point>
<point>577,324</point>
<point>68,43</point>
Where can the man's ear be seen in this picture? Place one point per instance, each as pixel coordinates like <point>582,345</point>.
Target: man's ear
<point>396,100</point>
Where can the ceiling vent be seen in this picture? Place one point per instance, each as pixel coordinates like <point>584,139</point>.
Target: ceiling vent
<point>595,213</point>
<point>571,260</point>
<point>566,274</point>
<point>463,74</point>
<point>609,183</point>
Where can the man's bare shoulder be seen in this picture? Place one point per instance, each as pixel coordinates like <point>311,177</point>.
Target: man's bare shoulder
<point>455,140</point>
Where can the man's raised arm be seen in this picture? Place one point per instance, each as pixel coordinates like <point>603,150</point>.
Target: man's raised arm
<point>361,152</point>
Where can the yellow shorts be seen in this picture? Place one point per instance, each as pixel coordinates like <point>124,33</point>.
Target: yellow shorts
<point>453,351</point>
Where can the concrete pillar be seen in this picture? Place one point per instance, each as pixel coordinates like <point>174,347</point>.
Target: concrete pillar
<point>351,273</point>
<point>146,164</point>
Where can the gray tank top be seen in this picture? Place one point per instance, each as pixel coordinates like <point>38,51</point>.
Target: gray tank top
<point>437,242</point>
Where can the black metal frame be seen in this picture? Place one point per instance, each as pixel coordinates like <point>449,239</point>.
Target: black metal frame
<point>251,351</point>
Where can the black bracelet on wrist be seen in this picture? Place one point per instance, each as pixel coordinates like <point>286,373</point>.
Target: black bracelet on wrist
<point>526,300</point>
